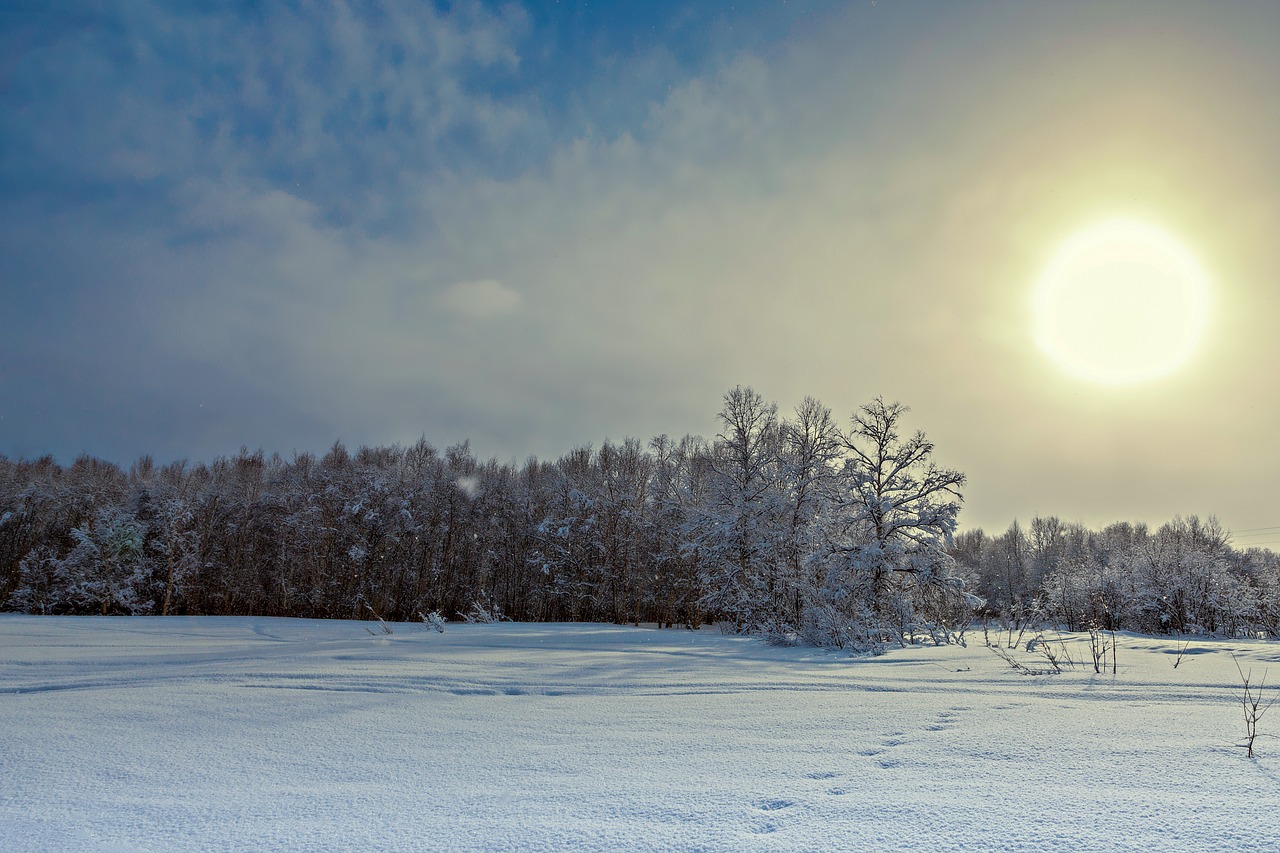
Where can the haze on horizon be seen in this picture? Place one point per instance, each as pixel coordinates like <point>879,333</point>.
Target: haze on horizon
<point>535,226</point>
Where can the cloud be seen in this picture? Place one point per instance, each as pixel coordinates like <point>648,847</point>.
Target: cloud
<point>479,299</point>
<point>349,106</point>
<point>359,224</point>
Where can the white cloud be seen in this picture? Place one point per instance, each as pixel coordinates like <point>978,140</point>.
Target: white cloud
<point>479,299</point>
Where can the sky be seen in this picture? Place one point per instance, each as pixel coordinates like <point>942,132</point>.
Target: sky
<point>536,226</point>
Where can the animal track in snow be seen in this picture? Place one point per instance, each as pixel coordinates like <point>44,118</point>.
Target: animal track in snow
<point>946,720</point>
<point>774,805</point>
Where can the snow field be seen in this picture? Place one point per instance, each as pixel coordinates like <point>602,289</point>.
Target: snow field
<point>244,733</point>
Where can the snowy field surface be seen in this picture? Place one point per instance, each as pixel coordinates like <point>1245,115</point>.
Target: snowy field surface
<point>159,734</point>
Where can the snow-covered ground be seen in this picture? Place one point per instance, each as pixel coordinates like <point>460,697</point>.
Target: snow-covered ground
<point>277,734</point>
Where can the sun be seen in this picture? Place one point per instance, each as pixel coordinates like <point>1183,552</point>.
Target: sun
<point>1120,302</point>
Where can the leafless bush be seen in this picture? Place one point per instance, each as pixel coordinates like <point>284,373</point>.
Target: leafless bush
<point>434,620</point>
<point>1099,645</point>
<point>1013,625</point>
<point>382,623</point>
<point>484,615</point>
<point>1017,665</point>
<point>1254,704</point>
<point>1054,653</point>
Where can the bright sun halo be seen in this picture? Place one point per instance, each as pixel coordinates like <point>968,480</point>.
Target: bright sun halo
<point>1120,302</point>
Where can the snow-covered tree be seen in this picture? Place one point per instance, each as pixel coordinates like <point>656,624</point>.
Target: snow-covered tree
<point>736,531</point>
<point>811,449</point>
<point>886,566</point>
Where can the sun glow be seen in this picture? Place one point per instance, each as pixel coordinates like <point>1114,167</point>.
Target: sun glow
<point>1120,302</point>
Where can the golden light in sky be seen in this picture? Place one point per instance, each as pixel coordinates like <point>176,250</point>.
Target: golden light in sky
<point>1121,302</point>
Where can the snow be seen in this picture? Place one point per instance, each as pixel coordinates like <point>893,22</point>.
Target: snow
<point>152,733</point>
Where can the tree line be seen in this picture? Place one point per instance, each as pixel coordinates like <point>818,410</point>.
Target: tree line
<point>794,527</point>
<point>789,526</point>
<point>1181,578</point>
